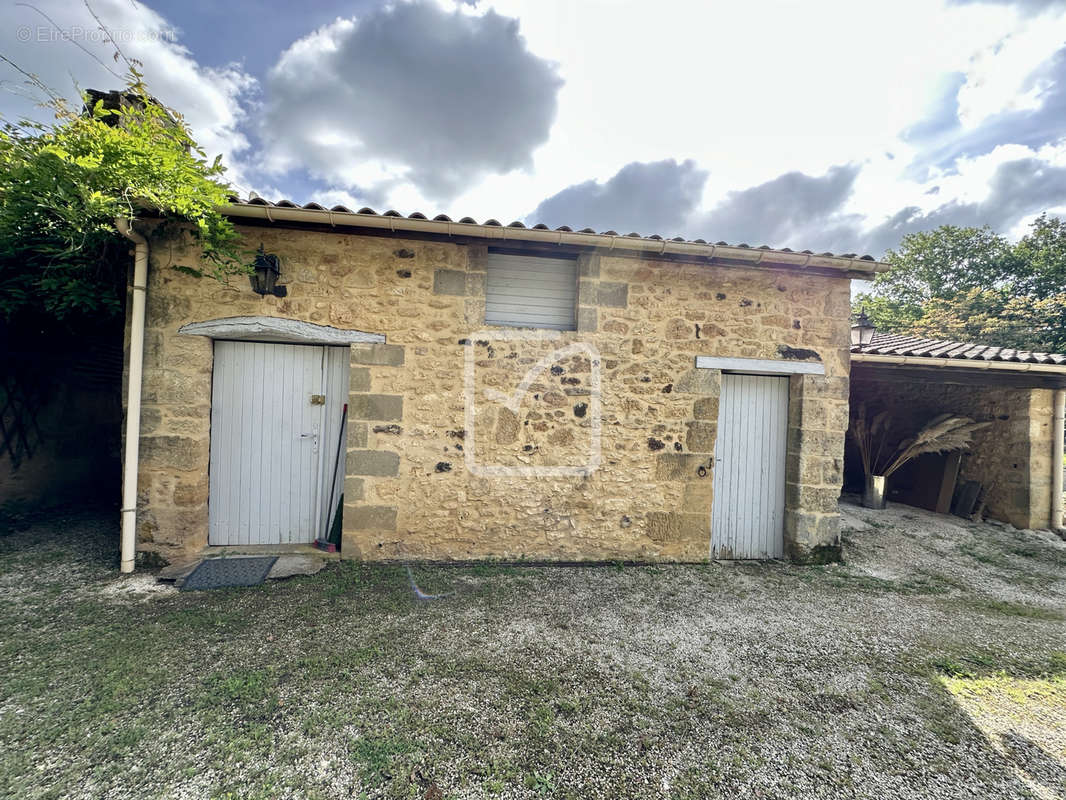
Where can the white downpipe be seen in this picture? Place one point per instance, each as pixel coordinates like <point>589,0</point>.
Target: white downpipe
<point>133,394</point>
<point>1057,429</point>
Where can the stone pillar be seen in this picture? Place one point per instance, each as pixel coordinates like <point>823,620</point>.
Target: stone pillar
<point>817,425</point>
<point>1036,512</point>
<point>685,532</point>
<point>373,418</point>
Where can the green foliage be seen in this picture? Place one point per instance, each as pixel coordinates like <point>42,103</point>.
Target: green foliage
<point>63,184</point>
<point>971,284</point>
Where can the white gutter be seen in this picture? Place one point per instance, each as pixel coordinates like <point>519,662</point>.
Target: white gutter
<point>752,255</point>
<point>921,361</point>
<point>133,394</point>
<point>1058,425</point>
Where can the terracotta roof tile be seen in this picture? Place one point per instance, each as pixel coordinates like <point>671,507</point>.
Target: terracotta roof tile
<point>259,201</point>
<point>894,344</point>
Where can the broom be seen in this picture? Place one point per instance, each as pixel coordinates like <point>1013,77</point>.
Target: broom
<point>325,540</point>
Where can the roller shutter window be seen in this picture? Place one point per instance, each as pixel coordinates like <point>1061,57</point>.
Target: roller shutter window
<point>531,292</point>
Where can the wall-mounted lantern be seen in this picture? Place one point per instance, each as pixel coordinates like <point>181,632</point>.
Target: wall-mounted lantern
<point>862,332</point>
<point>264,278</point>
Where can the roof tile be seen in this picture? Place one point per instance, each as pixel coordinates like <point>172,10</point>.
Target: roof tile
<point>259,201</point>
<point>918,347</point>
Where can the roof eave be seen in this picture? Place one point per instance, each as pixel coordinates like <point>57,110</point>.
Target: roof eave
<point>854,267</point>
<point>957,363</point>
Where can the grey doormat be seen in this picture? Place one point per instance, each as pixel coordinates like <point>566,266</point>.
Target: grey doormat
<point>216,573</point>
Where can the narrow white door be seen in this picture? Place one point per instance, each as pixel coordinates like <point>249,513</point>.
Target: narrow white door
<point>747,517</point>
<point>275,425</point>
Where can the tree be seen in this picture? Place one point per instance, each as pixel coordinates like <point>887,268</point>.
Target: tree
<point>63,184</point>
<point>970,284</point>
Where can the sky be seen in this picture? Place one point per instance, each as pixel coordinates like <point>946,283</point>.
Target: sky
<point>835,125</point>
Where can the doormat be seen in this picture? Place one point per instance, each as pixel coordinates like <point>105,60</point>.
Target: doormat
<point>218,573</point>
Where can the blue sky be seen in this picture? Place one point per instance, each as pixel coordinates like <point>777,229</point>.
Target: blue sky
<point>828,124</point>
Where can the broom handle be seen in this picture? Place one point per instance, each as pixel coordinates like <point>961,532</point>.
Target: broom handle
<point>333,483</point>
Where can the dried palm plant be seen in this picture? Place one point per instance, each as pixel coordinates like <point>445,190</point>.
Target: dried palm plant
<point>942,434</point>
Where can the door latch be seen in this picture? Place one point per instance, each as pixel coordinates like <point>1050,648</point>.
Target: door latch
<point>313,436</point>
<point>318,399</point>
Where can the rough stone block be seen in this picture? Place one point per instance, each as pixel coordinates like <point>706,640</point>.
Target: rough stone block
<point>381,355</point>
<point>475,284</point>
<point>588,265</point>
<point>806,530</point>
<point>586,320</point>
<point>377,463</point>
<point>477,256</point>
<point>698,496</point>
<point>699,381</point>
<point>449,281</point>
<point>357,434</point>
<point>506,426</point>
<point>174,452</point>
<point>680,467</point>
<point>474,311</point>
<point>359,380</point>
<point>587,293</point>
<point>701,436</point>
<point>354,489</point>
<point>190,495</point>
<point>614,295</point>
<point>376,406</point>
<point>670,526</point>
<point>370,518</point>
<point>822,499</point>
<point>706,408</point>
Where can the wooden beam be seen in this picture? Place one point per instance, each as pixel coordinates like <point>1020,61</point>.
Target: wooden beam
<point>958,375</point>
<point>947,484</point>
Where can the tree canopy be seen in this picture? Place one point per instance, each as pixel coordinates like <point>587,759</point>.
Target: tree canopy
<point>63,184</point>
<point>971,284</point>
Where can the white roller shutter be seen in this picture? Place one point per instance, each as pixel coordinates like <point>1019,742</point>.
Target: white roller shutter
<point>531,292</point>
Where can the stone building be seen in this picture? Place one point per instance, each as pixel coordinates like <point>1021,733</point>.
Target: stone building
<point>496,391</point>
<point>1017,460</point>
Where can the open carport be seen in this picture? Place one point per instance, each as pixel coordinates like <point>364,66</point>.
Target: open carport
<point>1013,470</point>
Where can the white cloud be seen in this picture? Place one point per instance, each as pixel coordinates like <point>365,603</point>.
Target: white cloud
<point>59,41</point>
<point>409,94</point>
<point>939,109</point>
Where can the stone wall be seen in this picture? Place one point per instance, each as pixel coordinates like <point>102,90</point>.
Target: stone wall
<point>1011,457</point>
<point>417,485</point>
<point>63,411</point>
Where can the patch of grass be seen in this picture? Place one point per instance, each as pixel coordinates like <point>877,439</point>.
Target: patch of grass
<point>527,682</point>
<point>250,692</point>
<point>380,757</point>
<point>981,555</point>
<point>540,783</point>
<point>1010,609</point>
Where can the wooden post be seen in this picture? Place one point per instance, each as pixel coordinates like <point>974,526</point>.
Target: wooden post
<point>947,483</point>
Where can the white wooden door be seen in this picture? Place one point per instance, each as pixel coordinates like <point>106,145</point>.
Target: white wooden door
<point>747,516</point>
<point>276,420</point>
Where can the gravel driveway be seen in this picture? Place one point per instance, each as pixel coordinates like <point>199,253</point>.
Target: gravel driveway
<point>932,663</point>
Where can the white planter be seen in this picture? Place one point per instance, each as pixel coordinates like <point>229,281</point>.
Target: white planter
<point>874,495</point>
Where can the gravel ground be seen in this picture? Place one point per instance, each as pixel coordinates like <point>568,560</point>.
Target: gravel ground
<point>932,663</point>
